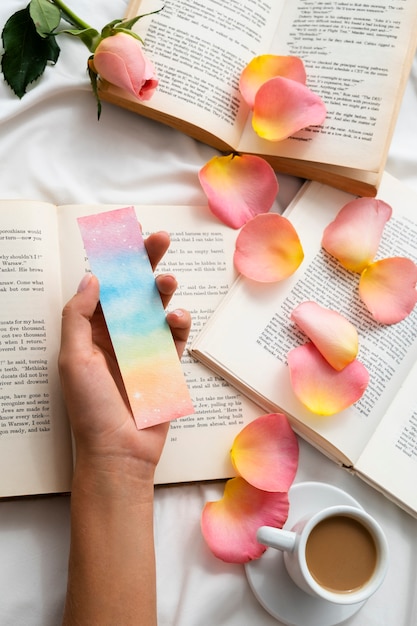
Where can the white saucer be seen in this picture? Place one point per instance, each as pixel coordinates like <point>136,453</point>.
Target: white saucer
<point>269,580</point>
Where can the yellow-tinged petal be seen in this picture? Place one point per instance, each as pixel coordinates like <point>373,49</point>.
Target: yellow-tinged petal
<point>321,388</point>
<point>268,248</point>
<point>229,525</point>
<point>238,187</point>
<point>266,66</point>
<point>332,334</point>
<point>388,289</point>
<point>265,453</point>
<point>283,107</point>
<point>354,235</point>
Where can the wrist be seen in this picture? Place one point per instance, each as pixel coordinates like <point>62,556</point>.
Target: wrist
<point>113,477</point>
<point>121,452</point>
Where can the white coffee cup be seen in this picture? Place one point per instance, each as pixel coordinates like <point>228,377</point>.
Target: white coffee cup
<point>339,554</point>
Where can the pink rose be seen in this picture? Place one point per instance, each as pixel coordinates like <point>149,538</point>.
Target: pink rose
<point>119,59</point>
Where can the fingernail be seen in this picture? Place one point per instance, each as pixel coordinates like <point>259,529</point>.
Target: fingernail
<point>178,313</point>
<point>84,282</point>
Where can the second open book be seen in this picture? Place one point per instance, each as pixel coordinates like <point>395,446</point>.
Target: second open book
<point>247,340</point>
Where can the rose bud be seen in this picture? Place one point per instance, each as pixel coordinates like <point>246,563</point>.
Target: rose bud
<point>120,60</point>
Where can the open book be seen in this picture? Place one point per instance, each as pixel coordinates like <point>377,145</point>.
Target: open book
<point>42,260</point>
<point>248,338</point>
<point>357,56</point>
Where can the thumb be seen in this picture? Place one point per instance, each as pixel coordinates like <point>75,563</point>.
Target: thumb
<point>76,316</point>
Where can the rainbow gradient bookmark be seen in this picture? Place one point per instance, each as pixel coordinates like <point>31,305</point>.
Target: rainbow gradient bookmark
<point>141,338</point>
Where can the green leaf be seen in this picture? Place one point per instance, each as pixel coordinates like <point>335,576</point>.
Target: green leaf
<point>123,26</point>
<point>130,23</point>
<point>108,29</point>
<point>89,36</point>
<point>128,32</point>
<point>45,15</point>
<point>26,53</point>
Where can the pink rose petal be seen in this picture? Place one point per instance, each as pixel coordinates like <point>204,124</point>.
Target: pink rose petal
<point>321,388</point>
<point>354,235</point>
<point>332,334</point>
<point>238,187</point>
<point>283,107</point>
<point>268,248</point>
<point>265,67</point>
<point>388,289</point>
<point>229,525</point>
<point>265,453</point>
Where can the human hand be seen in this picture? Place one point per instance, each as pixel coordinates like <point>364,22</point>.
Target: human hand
<point>101,420</point>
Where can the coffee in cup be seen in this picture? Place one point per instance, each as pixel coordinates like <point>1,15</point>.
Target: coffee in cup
<point>339,554</point>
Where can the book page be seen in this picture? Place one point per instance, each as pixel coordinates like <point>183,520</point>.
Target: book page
<point>201,258</point>
<point>389,461</point>
<point>199,49</point>
<point>253,351</point>
<point>355,54</point>
<point>35,443</point>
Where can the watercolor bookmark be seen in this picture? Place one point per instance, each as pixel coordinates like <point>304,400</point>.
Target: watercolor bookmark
<point>141,338</point>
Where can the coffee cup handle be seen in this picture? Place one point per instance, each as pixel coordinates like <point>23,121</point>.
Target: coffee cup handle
<point>276,538</point>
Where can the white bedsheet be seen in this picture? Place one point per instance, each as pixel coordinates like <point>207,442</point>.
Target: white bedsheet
<point>52,148</point>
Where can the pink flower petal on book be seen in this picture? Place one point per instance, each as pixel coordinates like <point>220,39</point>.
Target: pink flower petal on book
<point>238,187</point>
<point>332,334</point>
<point>283,107</point>
<point>388,289</point>
<point>229,525</point>
<point>265,453</point>
<point>268,248</point>
<point>321,388</point>
<point>354,235</point>
<point>266,66</point>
